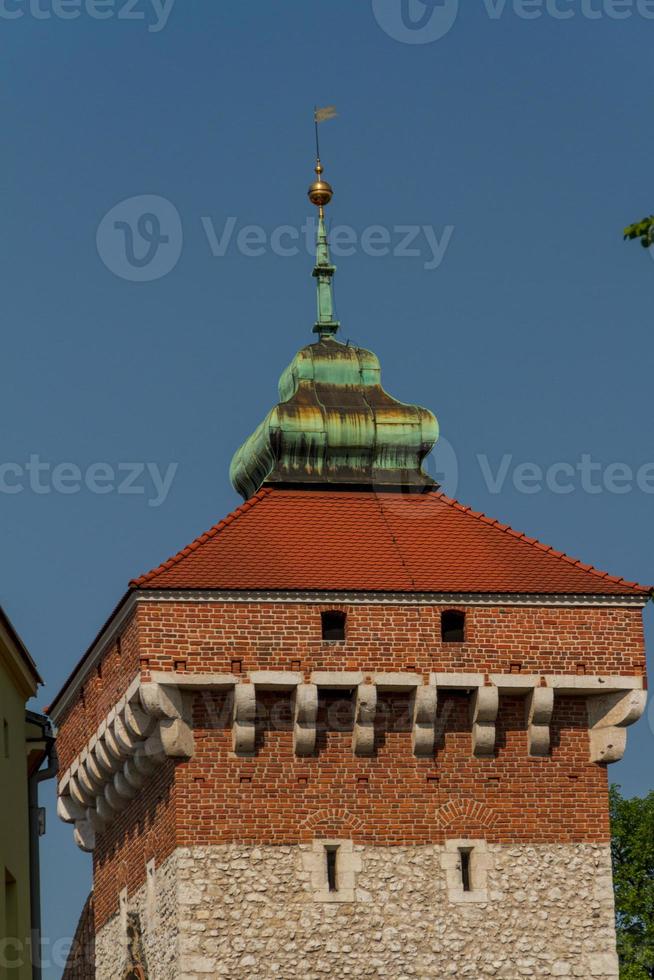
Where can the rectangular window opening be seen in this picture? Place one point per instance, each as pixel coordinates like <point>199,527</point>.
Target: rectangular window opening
<point>453,623</point>
<point>332,879</point>
<point>465,855</point>
<point>333,626</point>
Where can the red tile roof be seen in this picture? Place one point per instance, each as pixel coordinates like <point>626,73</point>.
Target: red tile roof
<point>299,540</point>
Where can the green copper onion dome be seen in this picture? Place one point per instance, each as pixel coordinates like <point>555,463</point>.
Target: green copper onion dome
<point>334,424</point>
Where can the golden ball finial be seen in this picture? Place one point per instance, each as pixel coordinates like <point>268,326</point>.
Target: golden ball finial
<point>320,192</point>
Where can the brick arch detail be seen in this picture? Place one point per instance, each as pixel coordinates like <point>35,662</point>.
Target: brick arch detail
<point>335,817</point>
<point>470,811</point>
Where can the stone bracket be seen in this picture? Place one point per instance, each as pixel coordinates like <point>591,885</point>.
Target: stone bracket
<point>423,715</point>
<point>609,716</point>
<point>539,709</point>
<point>484,707</point>
<point>149,724</point>
<point>614,703</point>
<point>244,723</point>
<point>365,709</point>
<point>305,714</point>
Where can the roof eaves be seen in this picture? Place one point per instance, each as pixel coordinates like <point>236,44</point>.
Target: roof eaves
<point>23,652</point>
<point>548,549</point>
<point>200,540</point>
<point>85,657</point>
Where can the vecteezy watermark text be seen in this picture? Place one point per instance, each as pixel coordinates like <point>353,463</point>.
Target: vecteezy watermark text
<point>506,472</point>
<point>148,480</point>
<point>153,13</point>
<point>141,239</point>
<point>15,952</point>
<point>287,241</point>
<point>426,21</point>
<point>586,475</point>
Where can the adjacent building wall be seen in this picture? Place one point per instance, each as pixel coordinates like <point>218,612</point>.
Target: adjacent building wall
<point>15,957</point>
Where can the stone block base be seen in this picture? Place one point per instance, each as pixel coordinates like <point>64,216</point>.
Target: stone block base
<point>259,912</point>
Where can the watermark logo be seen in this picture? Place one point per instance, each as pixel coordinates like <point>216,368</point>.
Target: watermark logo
<point>426,21</point>
<point>141,238</point>
<point>497,475</point>
<point>423,242</point>
<point>394,712</point>
<point>153,13</point>
<point>442,465</point>
<point>147,480</point>
<point>562,478</point>
<point>416,21</point>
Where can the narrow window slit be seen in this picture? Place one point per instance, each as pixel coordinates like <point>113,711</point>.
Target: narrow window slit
<point>330,856</point>
<point>466,877</point>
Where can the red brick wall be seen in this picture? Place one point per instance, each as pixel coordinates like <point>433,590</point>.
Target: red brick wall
<point>391,798</point>
<point>80,964</point>
<point>100,692</point>
<point>145,830</point>
<point>270,636</point>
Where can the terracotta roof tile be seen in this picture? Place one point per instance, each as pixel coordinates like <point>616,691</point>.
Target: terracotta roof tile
<point>365,541</point>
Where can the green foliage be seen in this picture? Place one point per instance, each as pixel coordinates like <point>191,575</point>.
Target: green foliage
<point>632,847</point>
<point>642,229</point>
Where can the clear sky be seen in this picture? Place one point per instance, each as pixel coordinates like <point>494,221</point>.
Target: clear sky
<point>503,146</point>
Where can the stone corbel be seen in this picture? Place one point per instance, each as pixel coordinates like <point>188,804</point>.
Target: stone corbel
<point>424,703</point>
<point>539,710</point>
<point>245,712</point>
<point>67,809</point>
<point>609,716</point>
<point>484,708</point>
<point>84,835</point>
<point>365,709</point>
<point>149,724</point>
<point>305,714</point>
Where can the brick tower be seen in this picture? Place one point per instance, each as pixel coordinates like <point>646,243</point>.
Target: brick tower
<point>355,729</point>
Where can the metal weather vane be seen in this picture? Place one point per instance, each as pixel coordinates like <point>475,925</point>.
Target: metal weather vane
<point>321,115</point>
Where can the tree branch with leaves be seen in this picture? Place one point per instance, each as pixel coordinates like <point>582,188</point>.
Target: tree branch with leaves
<point>632,847</point>
<point>642,229</point>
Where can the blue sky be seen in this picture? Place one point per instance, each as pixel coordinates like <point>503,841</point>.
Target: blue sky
<point>513,149</point>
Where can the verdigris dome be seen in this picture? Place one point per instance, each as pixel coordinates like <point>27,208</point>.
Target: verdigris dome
<point>334,423</point>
